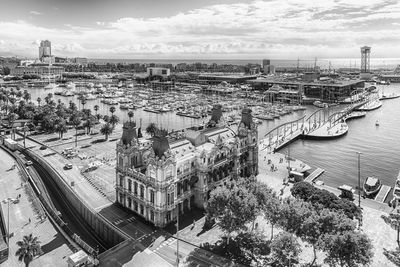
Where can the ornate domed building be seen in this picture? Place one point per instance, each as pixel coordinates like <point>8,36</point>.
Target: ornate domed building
<point>160,176</point>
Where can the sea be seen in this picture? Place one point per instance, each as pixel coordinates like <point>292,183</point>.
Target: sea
<point>323,63</point>
<point>379,145</point>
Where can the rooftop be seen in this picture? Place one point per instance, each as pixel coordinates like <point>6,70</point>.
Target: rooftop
<point>334,83</point>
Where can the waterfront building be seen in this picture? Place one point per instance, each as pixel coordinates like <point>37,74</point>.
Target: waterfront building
<point>212,78</point>
<point>222,89</point>
<point>332,90</point>
<point>287,96</point>
<point>162,86</point>
<point>163,72</point>
<point>157,177</point>
<point>37,70</point>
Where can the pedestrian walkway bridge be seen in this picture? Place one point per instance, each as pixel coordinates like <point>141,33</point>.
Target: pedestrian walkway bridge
<point>320,124</point>
<point>314,175</point>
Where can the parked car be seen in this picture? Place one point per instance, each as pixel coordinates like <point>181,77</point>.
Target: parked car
<point>68,166</point>
<point>43,147</point>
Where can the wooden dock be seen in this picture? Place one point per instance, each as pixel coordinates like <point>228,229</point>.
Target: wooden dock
<point>381,196</point>
<point>314,175</point>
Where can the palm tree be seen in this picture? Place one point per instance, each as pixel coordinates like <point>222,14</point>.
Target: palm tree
<point>61,128</point>
<point>83,101</point>
<point>106,130</point>
<point>27,96</point>
<point>113,120</point>
<point>151,129</point>
<point>89,123</point>
<point>76,121</point>
<point>112,110</point>
<point>96,108</point>
<point>39,100</point>
<point>11,119</point>
<point>29,247</point>
<point>130,115</point>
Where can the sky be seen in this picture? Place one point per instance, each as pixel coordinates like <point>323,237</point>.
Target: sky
<point>201,29</point>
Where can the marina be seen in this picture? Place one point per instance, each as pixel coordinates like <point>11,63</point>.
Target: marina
<point>342,146</point>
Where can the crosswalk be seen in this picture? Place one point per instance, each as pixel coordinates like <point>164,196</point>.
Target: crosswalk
<point>147,235</point>
<point>119,221</point>
<point>166,243</point>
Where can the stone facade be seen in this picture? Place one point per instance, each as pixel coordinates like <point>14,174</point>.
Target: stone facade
<point>160,176</point>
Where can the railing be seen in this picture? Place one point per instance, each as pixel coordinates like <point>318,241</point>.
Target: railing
<point>282,125</point>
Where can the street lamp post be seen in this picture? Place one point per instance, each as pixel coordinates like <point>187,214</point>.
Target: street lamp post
<point>359,180</point>
<point>8,218</point>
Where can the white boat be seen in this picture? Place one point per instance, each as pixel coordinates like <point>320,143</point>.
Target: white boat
<point>67,93</point>
<point>50,86</point>
<point>320,104</point>
<point>90,97</point>
<point>372,186</point>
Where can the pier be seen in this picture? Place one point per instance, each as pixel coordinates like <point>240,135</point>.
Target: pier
<point>314,175</point>
<point>381,196</point>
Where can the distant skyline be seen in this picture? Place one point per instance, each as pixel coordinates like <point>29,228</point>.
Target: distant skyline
<point>207,29</point>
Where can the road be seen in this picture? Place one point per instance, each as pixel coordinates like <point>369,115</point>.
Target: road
<point>68,214</point>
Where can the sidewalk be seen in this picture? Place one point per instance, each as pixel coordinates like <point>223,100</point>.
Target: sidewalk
<point>55,249</point>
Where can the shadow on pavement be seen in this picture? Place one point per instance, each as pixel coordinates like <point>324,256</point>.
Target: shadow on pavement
<point>119,255</point>
<point>55,243</point>
<point>185,220</point>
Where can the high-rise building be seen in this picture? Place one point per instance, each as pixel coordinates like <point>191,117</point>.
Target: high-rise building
<point>266,62</point>
<point>267,67</point>
<point>44,49</point>
<point>160,177</point>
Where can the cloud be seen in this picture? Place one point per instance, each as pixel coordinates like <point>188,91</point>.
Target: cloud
<point>37,13</point>
<point>274,28</point>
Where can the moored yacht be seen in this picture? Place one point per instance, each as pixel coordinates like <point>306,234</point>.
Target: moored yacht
<point>372,186</point>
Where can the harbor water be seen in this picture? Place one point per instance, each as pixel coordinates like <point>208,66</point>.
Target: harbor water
<point>379,145</point>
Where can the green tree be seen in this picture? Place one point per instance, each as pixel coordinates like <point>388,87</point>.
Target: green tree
<point>272,212</point>
<point>106,118</point>
<point>96,108</point>
<point>233,206</point>
<point>12,117</point>
<point>151,129</point>
<point>106,130</point>
<point>83,102</point>
<point>89,123</point>
<point>61,128</point>
<point>29,247</point>
<point>76,121</point>
<point>112,110</point>
<point>113,120</point>
<point>130,115</point>
<point>348,249</point>
<point>245,248</point>
<point>285,250</point>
